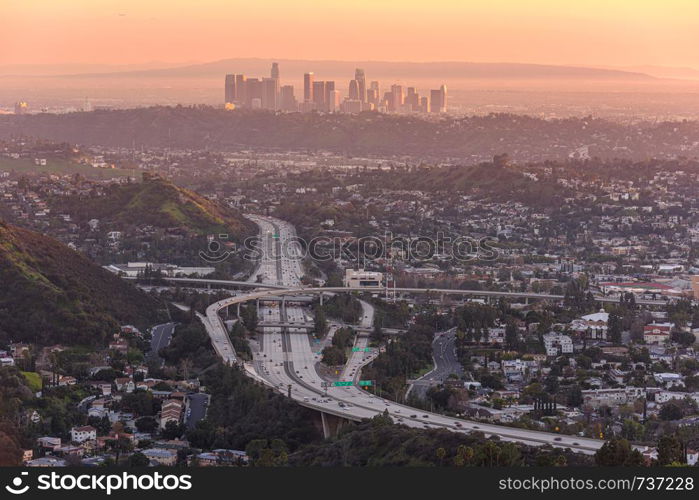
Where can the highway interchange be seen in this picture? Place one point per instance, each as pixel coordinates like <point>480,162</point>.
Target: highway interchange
<point>284,358</point>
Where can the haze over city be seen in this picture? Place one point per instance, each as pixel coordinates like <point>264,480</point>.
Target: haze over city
<point>623,60</point>
<point>593,33</point>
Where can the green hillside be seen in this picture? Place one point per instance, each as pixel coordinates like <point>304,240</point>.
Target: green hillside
<point>51,294</point>
<point>161,204</point>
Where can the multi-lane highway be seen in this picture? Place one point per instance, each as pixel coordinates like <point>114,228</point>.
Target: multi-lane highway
<point>160,337</point>
<point>285,360</point>
<point>445,363</point>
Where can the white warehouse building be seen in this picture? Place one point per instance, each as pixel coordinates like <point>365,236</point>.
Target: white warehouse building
<point>362,279</point>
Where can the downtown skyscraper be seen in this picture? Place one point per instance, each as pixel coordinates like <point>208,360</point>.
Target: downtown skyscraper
<point>323,96</point>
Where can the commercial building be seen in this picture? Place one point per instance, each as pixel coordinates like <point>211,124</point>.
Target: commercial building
<point>657,333</point>
<point>557,343</point>
<point>362,279</point>
<point>136,269</point>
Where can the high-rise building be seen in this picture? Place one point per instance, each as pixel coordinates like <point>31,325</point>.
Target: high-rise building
<point>229,88</point>
<point>287,101</point>
<point>274,74</point>
<point>329,90</point>
<point>424,105</point>
<point>412,100</point>
<point>319,95</point>
<point>253,91</point>
<point>334,101</point>
<point>361,82</point>
<point>354,90</point>
<point>351,105</point>
<point>372,96</point>
<point>308,87</point>
<point>435,99</point>
<point>240,88</point>
<point>269,93</point>
<point>438,100</point>
<point>396,103</point>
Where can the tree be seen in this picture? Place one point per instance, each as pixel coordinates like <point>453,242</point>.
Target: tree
<point>441,453</point>
<point>511,336</point>
<point>173,430</point>
<point>632,430</point>
<point>249,316</point>
<point>377,334</point>
<point>671,450</point>
<point>138,459</point>
<point>10,451</point>
<point>670,411</point>
<point>146,424</point>
<point>618,452</point>
<point>320,323</point>
<point>614,327</point>
<point>333,356</point>
<point>575,396</point>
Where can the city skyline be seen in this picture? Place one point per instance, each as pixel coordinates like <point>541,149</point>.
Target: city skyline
<point>322,95</point>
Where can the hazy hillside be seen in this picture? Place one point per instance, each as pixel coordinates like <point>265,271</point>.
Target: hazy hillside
<point>469,139</point>
<point>161,204</point>
<point>382,69</point>
<point>52,294</point>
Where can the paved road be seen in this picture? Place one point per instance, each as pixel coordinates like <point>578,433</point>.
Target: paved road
<point>285,360</point>
<point>445,363</point>
<point>196,409</point>
<point>161,336</point>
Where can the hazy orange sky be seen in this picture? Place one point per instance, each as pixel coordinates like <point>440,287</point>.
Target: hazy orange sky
<point>589,32</point>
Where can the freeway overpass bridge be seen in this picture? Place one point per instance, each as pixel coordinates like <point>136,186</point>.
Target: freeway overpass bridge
<point>367,406</point>
<point>440,292</point>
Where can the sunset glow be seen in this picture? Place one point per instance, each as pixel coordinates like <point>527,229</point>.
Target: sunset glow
<point>594,32</point>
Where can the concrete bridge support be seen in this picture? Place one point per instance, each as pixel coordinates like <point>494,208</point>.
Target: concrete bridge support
<point>330,424</point>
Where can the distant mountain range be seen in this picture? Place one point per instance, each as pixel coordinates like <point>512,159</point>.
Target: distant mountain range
<point>294,68</point>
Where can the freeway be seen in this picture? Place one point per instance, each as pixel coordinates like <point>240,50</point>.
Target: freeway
<point>429,291</point>
<point>208,281</point>
<point>445,363</point>
<point>287,362</point>
<point>160,337</point>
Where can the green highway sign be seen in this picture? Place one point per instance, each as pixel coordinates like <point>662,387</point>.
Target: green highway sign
<point>342,383</point>
<point>365,383</point>
<point>361,349</point>
<point>276,236</point>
